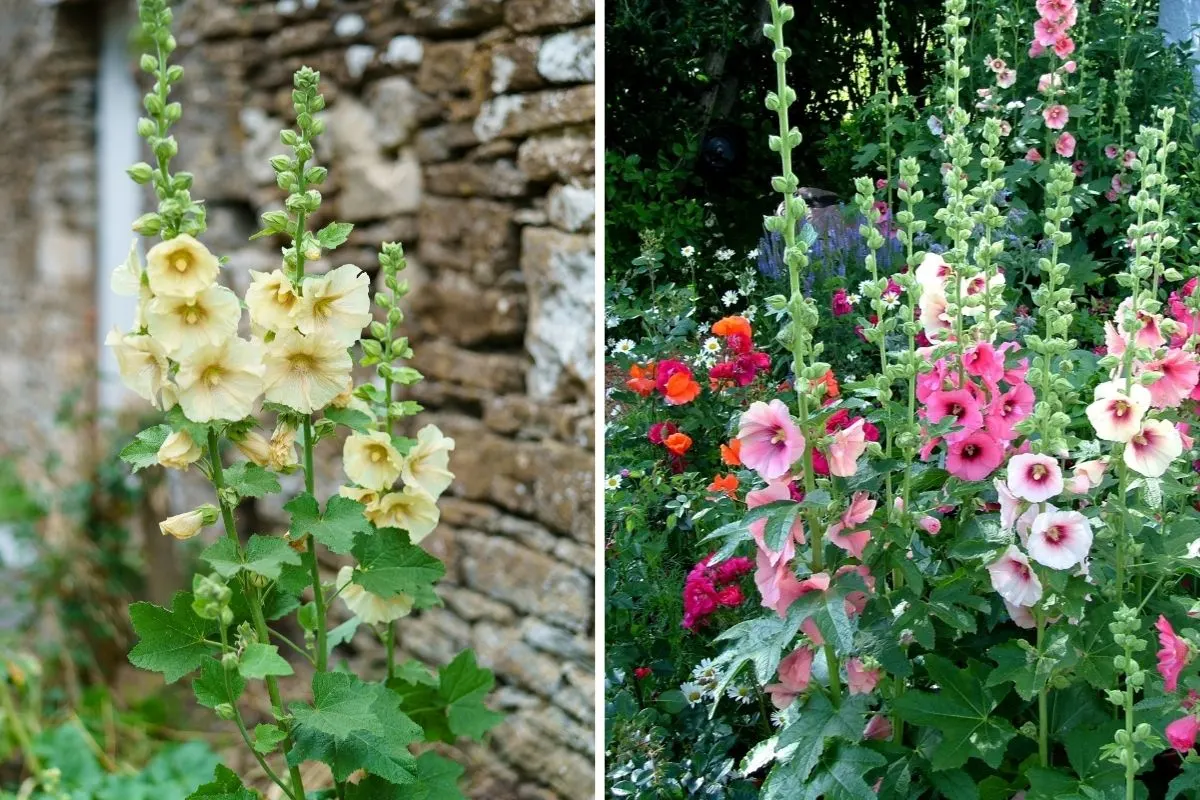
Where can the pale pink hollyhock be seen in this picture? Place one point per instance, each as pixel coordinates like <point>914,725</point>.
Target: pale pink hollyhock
<point>1033,156</point>
<point>1013,578</point>
<point>1056,117</point>
<point>1064,46</point>
<point>859,678</point>
<point>795,672</point>
<point>771,441</point>
<point>1180,373</point>
<point>856,601</point>
<point>1087,476</point>
<point>1010,505</point>
<point>817,582</point>
<point>1174,655</point>
<point>1152,449</point>
<point>1005,125</point>
<point>997,64</point>
<point>862,506</point>
<point>983,361</point>
<point>1070,67</point>
<point>1022,616</point>
<point>975,457</point>
<point>1005,78</point>
<point>1036,49</point>
<point>777,583</point>
<point>957,403</point>
<point>1025,522</point>
<point>1046,32</point>
<point>1182,733</point>
<point>1116,416</point>
<point>771,493</point>
<point>935,319</point>
<point>1034,477</point>
<point>1048,80</point>
<point>1128,159</point>
<point>1111,151</point>
<point>1060,539</point>
<point>932,272</point>
<point>931,525</point>
<point>1150,334</point>
<point>1065,145</point>
<point>848,444</point>
<point>1184,428</point>
<point>879,728</point>
<point>1110,196</point>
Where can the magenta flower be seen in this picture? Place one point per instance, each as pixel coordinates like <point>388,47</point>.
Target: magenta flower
<point>983,361</point>
<point>1182,733</point>
<point>975,457</point>
<point>1056,117</point>
<point>1111,151</point>
<point>1180,374</point>
<point>771,441</point>
<point>841,303</point>
<point>957,403</point>
<point>1174,655</point>
<point>1065,145</point>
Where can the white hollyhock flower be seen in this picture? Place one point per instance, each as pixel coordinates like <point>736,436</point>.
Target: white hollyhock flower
<point>1116,416</point>
<point>142,363</point>
<point>180,267</point>
<point>1034,477</point>
<point>1013,578</point>
<point>413,510</point>
<point>189,523</point>
<point>270,299</point>
<point>336,305</point>
<point>427,464</point>
<point>370,459</point>
<point>305,372</point>
<point>179,451</point>
<point>1060,539</point>
<point>221,381</point>
<point>181,324</point>
<point>1152,449</point>
<point>370,608</point>
<point>126,278</point>
<point>282,456</point>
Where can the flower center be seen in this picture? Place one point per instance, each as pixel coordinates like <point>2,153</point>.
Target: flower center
<point>1039,472</point>
<point>302,362</point>
<point>212,375</point>
<point>181,262</point>
<point>1055,534</point>
<point>970,451</point>
<point>1120,408</point>
<point>780,436</point>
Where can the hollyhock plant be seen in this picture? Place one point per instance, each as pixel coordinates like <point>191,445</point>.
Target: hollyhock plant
<point>1060,539</point>
<point>1034,477</point>
<point>770,440</point>
<point>1181,734</point>
<point>1014,579</point>
<point>1174,655</point>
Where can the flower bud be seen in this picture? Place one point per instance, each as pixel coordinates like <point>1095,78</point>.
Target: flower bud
<point>229,661</point>
<point>255,447</point>
<point>141,173</point>
<point>186,525</point>
<point>283,457</point>
<point>148,63</point>
<point>146,127</point>
<point>225,711</point>
<point>179,451</point>
<point>147,224</point>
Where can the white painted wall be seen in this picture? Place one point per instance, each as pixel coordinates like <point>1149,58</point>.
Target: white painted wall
<point>1178,20</point>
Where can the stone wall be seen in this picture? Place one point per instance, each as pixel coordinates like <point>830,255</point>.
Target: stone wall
<point>465,130</point>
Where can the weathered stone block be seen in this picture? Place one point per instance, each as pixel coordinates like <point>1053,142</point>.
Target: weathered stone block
<point>522,114</point>
<point>476,236</point>
<point>557,157</point>
<point>533,15</point>
<point>528,581</point>
<point>560,271</point>
<point>514,65</point>
<point>469,179</point>
<point>569,57</point>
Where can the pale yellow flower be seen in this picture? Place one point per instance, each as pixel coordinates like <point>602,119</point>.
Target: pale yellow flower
<point>413,510</point>
<point>368,497</point>
<point>282,456</point>
<point>426,464</point>
<point>335,305</point>
<point>179,451</point>
<point>255,447</point>
<point>180,267</point>
<point>126,279</point>
<point>142,363</point>
<point>305,372</point>
<point>370,608</point>
<point>181,324</point>
<point>347,400</point>
<point>271,299</point>
<point>189,523</point>
<point>221,381</point>
<point>370,459</point>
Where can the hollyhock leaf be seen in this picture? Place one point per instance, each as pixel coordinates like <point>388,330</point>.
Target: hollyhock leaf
<point>437,779</point>
<point>463,685</point>
<point>759,642</point>
<point>1187,785</point>
<point>225,785</point>
<point>142,452</point>
<point>843,777</point>
<point>734,533</point>
<point>820,722</point>
<point>260,660</point>
<point>215,686</point>
<point>828,610</point>
<point>955,784</point>
<point>928,479</point>
<point>351,418</point>
<point>956,604</point>
<point>818,498</point>
<point>779,526</point>
<point>1082,744</point>
<point>334,234</point>
<point>335,529</point>
<point>1027,670</point>
<point>341,705</point>
<point>341,634</point>
<point>173,642</point>
<point>267,738</point>
<point>250,480</point>
<point>263,555</point>
<point>1095,648</point>
<point>1050,784</point>
<point>388,565</point>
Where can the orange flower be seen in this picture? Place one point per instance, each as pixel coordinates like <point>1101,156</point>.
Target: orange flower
<point>832,390</point>
<point>731,325</point>
<point>641,379</point>
<point>681,388</point>
<point>678,443</point>
<point>731,453</point>
<point>725,484</point>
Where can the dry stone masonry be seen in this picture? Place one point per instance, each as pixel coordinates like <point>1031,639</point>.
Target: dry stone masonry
<point>464,129</point>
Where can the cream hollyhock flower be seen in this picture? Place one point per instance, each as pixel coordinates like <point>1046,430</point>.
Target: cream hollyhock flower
<point>255,447</point>
<point>1152,449</point>
<point>426,464</point>
<point>305,372</point>
<point>181,324</point>
<point>271,299</point>
<point>179,451</point>
<point>126,278</point>
<point>370,460</point>
<point>412,509</point>
<point>180,267</point>
<point>370,608</point>
<point>335,305</point>
<point>142,363</point>
<point>1117,416</point>
<point>282,456</point>
<point>221,381</point>
<point>368,497</point>
<point>188,524</point>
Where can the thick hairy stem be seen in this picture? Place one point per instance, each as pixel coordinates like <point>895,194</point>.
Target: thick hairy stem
<point>1043,702</point>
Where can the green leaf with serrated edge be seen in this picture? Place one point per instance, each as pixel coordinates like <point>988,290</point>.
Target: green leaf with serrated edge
<point>267,738</point>
<point>1187,785</point>
<point>334,234</point>
<point>437,779</point>
<point>214,686</point>
<point>335,528</point>
<point>961,711</point>
<point>250,480</point>
<point>759,642</point>
<point>955,784</point>
<point>1029,671</point>
<point>263,555</point>
<point>388,565</point>
<point>463,685</point>
<point>351,418</point>
<point>173,641</point>
<point>734,533</point>
<point>840,777</point>
<point>260,660</point>
<point>226,785</point>
<point>341,705</point>
<point>779,527</point>
<point>413,671</point>
<point>342,633</point>
<point>820,722</point>
<point>142,452</point>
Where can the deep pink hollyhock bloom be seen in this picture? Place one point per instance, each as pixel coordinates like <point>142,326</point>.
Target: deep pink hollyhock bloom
<point>1183,429</point>
<point>1065,145</point>
<point>1180,373</point>
<point>795,671</point>
<point>975,457</point>
<point>1064,46</point>
<point>1008,409</point>
<point>931,525</point>
<point>771,441</point>
<point>859,679</point>
<point>1174,655</point>
<point>659,431</point>
<point>730,596</point>
<point>956,403</point>
<point>983,361</point>
<point>1033,156</point>
<point>1034,477</point>
<point>1110,196</point>
<point>1182,733</point>
<point>1056,117</point>
<point>1079,168</point>
<point>841,419</point>
<point>879,728</point>
<point>641,673</point>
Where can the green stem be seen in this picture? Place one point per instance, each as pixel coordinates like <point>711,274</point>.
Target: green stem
<point>1131,761</point>
<point>18,728</point>
<point>390,641</point>
<point>241,723</point>
<point>310,555</point>
<point>1043,701</point>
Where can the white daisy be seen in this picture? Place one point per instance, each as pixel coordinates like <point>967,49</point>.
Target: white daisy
<point>863,286</point>
<point>854,299</point>
<point>741,693</point>
<point>612,483</point>
<point>612,321</point>
<point>891,299</point>
<point>711,345</point>
<point>753,254</point>
<point>729,298</point>
<point>693,693</point>
<point>750,312</point>
<point>624,346</point>
<point>724,254</point>
<point>688,252</point>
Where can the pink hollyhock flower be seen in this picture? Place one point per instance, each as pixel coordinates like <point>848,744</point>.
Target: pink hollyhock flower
<point>1022,616</point>
<point>1128,159</point>
<point>774,491</point>
<point>1149,335</point>
<point>795,672</point>
<point>1008,409</point>
<point>1060,539</point>
<point>881,183</point>
<point>841,303</point>
<point>956,403</point>
<point>1048,80</point>
<point>1033,156</point>
<point>771,441</point>
<point>997,64</point>
<point>847,446</point>
<point>983,361</point>
<point>1064,46</point>
<point>1005,125</point>
<point>1010,505</point>
<point>932,272</point>
<point>1116,416</point>
<point>1182,733</point>
<point>859,678</point>
<point>777,584</point>
<point>1036,49</point>
<point>1183,429</point>
<point>1111,151</point>
<point>1087,476</point>
<point>975,457</point>
<point>879,728</point>
<point>856,601</point>
<point>1070,67</point>
<point>1152,449</point>
<point>1079,168</point>
<point>1180,373</point>
<point>1005,78</point>
<point>1046,32</point>
<point>1174,655</point>
<point>1056,117</point>
<point>931,525</point>
<point>1014,580</point>
<point>853,542</point>
<point>1034,477</point>
<point>1110,196</point>
<point>818,582</point>
<point>1065,145</point>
